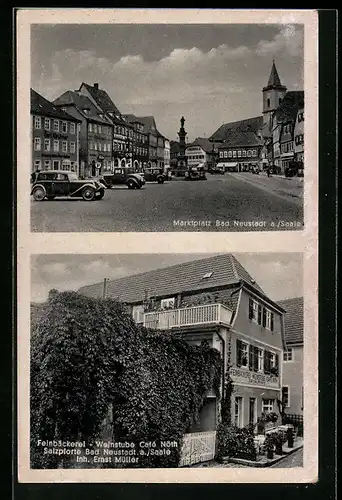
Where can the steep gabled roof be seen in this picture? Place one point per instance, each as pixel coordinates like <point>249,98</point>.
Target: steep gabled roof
<point>204,143</point>
<point>179,278</point>
<point>287,109</point>
<point>102,99</point>
<point>40,105</point>
<point>294,320</point>
<point>148,122</point>
<point>240,133</point>
<point>132,119</point>
<point>73,98</point>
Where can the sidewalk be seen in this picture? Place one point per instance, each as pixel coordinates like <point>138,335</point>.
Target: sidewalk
<point>234,463</point>
<point>289,188</point>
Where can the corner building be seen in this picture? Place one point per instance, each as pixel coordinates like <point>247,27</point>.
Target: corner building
<point>213,299</point>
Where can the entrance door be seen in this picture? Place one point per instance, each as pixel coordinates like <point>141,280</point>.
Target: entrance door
<point>252,410</point>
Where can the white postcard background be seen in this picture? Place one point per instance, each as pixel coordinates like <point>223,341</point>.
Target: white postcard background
<point>291,241</point>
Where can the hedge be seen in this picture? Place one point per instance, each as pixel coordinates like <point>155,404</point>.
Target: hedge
<point>88,354</point>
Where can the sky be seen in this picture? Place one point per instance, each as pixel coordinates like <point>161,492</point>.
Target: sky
<point>280,275</point>
<point>211,74</point>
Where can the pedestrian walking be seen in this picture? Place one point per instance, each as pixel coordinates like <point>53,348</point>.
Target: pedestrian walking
<point>268,171</point>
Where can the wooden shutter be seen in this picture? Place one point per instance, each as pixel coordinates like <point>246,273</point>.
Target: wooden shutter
<point>259,313</point>
<point>251,357</point>
<point>266,361</point>
<point>264,317</point>
<point>238,352</point>
<point>250,313</point>
<point>255,359</point>
<point>272,322</point>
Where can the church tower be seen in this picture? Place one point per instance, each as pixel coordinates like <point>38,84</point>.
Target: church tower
<point>272,95</point>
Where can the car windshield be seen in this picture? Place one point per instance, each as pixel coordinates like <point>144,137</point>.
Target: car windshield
<point>73,176</point>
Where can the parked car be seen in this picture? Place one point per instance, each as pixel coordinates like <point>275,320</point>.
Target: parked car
<point>274,169</point>
<point>154,175</point>
<point>124,175</point>
<point>217,170</point>
<point>294,168</point>
<point>53,183</point>
<point>195,174</point>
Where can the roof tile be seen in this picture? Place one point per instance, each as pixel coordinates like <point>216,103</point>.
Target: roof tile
<point>42,106</point>
<point>294,320</point>
<point>175,279</point>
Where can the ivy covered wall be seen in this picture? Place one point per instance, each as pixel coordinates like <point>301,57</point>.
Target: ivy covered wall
<point>88,355</point>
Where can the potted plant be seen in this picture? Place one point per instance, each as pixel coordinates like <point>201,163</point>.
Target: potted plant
<point>272,416</point>
<point>269,446</point>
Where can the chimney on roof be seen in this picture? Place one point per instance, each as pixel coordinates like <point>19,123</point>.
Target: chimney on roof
<point>96,86</point>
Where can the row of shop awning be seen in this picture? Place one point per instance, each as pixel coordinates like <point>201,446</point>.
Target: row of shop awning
<point>228,164</point>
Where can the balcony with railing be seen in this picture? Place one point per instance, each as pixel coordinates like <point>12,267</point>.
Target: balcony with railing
<point>188,316</point>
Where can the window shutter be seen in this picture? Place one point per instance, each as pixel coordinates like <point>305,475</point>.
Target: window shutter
<point>255,366</point>
<point>266,361</point>
<point>238,352</point>
<point>251,357</point>
<point>277,360</point>
<point>272,322</point>
<point>259,313</point>
<point>250,314</point>
<point>264,317</point>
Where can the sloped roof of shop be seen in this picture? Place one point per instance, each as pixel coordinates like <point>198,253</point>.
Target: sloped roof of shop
<point>294,320</point>
<point>240,133</point>
<point>204,143</point>
<point>41,106</point>
<point>82,102</point>
<point>132,119</point>
<point>102,99</point>
<point>201,274</point>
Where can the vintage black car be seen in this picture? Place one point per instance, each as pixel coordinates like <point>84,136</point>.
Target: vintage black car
<point>294,168</point>
<point>195,174</point>
<point>216,170</point>
<point>154,175</point>
<point>124,175</point>
<point>52,183</point>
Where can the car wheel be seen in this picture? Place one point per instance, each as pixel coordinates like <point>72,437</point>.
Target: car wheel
<point>100,195</point>
<point>88,194</point>
<point>160,180</point>
<point>39,193</point>
<point>131,184</point>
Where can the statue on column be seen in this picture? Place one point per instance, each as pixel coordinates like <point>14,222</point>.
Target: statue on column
<point>182,121</point>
